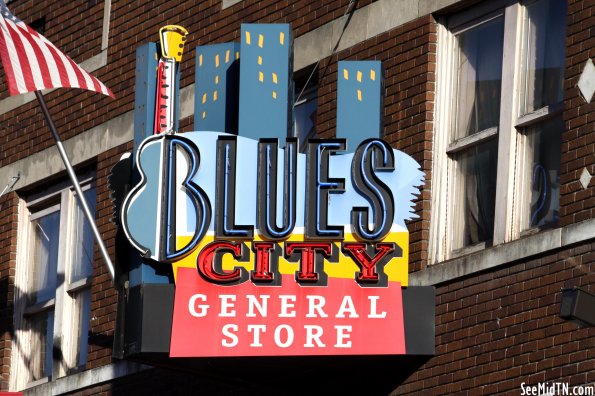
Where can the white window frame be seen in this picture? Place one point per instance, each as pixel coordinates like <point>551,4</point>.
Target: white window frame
<point>510,132</point>
<point>61,198</point>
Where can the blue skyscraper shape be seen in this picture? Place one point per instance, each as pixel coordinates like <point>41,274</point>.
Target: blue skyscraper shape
<point>216,88</point>
<point>266,95</point>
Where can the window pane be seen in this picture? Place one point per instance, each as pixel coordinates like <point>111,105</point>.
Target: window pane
<point>82,264</point>
<point>44,262</point>
<point>83,310</point>
<point>475,194</point>
<point>479,76</point>
<point>542,176</point>
<point>41,327</point>
<point>545,42</point>
<point>305,119</point>
<point>304,113</point>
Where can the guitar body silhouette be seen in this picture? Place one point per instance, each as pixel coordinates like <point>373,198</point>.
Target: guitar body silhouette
<point>167,163</point>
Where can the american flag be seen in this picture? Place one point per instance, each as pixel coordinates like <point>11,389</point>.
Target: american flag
<point>32,63</point>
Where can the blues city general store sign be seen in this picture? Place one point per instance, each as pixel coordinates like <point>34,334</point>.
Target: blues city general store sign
<point>274,252</point>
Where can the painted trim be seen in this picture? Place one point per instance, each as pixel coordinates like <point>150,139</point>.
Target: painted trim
<point>107,10</point>
<point>494,257</point>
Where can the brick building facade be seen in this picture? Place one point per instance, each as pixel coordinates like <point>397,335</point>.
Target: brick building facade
<point>497,295</point>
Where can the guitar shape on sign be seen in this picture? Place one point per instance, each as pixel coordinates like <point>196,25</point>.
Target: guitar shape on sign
<point>167,162</point>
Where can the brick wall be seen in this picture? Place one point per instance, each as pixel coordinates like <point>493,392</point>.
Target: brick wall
<point>501,328</point>
<point>578,142</point>
<point>494,330</point>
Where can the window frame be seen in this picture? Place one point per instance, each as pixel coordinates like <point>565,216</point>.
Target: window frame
<point>310,94</point>
<point>62,198</point>
<point>510,132</point>
<point>305,87</point>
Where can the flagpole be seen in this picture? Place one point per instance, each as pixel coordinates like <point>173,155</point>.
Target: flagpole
<point>75,182</point>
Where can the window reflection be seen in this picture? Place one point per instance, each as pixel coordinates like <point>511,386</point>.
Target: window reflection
<point>476,193</point>
<point>83,239</point>
<point>542,175</point>
<point>479,77</point>
<point>545,36</point>
<point>44,264</point>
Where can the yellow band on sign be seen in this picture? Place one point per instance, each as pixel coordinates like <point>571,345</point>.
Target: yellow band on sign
<point>397,269</point>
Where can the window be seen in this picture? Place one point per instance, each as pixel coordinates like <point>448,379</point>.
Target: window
<point>38,25</point>
<point>305,108</point>
<point>52,287</point>
<point>498,124</point>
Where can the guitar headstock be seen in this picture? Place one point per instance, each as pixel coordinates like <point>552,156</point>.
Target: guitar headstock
<point>172,38</point>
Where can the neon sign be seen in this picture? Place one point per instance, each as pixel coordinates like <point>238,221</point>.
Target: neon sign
<point>276,252</point>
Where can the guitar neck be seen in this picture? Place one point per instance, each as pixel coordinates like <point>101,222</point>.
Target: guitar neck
<point>172,39</point>
<point>165,97</point>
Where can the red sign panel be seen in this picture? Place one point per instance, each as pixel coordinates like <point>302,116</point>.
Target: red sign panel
<point>248,320</point>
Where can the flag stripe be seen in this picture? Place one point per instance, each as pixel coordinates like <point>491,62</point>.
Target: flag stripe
<point>32,62</point>
<point>5,58</point>
<point>72,80</point>
<point>33,53</point>
<point>64,75</point>
<point>92,83</point>
<point>51,56</point>
<point>22,54</point>
<point>53,70</point>
<point>15,81</point>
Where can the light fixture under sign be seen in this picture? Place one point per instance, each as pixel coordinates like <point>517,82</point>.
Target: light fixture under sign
<point>578,305</point>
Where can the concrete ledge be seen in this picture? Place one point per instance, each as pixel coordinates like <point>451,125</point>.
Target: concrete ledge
<point>506,253</point>
<point>366,22</point>
<point>84,146</point>
<point>87,378</point>
<point>578,232</point>
<point>80,148</point>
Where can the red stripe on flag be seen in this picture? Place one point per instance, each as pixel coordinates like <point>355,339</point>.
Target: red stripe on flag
<point>5,56</point>
<point>37,65</point>
<point>82,83</point>
<point>64,79</point>
<point>41,59</point>
<point>23,59</point>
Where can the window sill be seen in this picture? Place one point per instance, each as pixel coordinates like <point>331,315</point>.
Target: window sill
<point>40,381</point>
<point>493,257</point>
<point>79,284</point>
<point>40,307</point>
<point>467,250</point>
<point>84,379</point>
